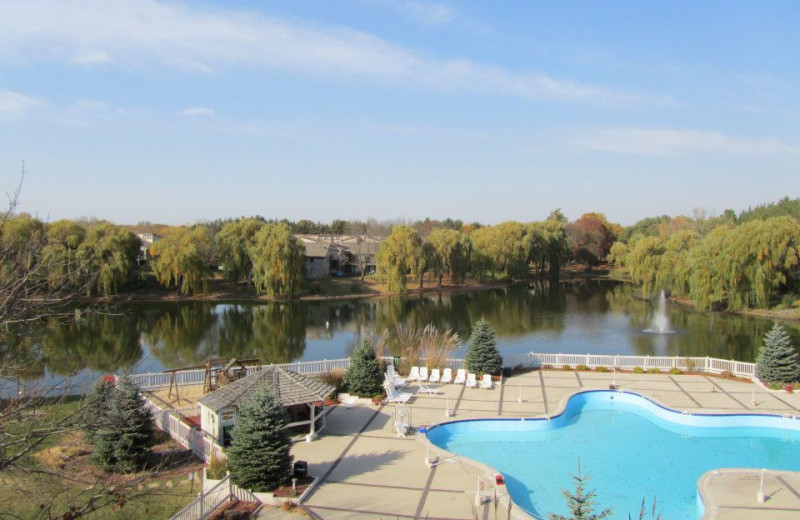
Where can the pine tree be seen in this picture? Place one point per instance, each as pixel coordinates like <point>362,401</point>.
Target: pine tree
<point>97,408</point>
<point>364,377</point>
<point>259,456</point>
<point>123,441</point>
<point>580,503</point>
<point>777,359</point>
<point>482,354</point>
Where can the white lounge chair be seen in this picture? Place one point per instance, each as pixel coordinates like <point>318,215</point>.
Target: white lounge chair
<point>423,373</point>
<point>413,375</point>
<point>486,382</point>
<point>393,396</point>
<point>425,389</point>
<point>435,376</point>
<point>447,376</point>
<point>461,376</point>
<point>471,382</point>
<point>392,376</point>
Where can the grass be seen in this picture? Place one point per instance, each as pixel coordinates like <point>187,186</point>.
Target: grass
<point>46,478</point>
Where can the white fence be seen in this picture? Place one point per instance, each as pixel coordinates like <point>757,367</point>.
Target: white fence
<point>702,364</point>
<point>153,381</point>
<point>207,502</point>
<point>198,441</point>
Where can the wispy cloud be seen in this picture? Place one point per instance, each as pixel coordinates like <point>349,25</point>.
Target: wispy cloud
<point>16,104</point>
<point>204,39</point>
<point>425,12</point>
<point>670,142</point>
<point>197,112</point>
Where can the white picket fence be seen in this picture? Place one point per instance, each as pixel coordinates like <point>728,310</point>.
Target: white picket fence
<point>207,502</point>
<point>152,381</point>
<point>198,441</point>
<point>701,364</point>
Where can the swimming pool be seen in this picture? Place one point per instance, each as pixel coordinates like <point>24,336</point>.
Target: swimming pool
<point>632,447</point>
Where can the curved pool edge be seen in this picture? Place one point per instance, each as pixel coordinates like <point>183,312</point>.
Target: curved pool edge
<point>706,506</point>
<point>717,485</point>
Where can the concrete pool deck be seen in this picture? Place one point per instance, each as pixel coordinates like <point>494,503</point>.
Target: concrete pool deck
<point>367,472</point>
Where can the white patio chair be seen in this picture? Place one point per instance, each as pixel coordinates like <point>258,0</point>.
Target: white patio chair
<point>413,374</point>
<point>426,389</point>
<point>392,376</point>
<point>423,373</point>
<point>393,396</point>
<point>447,376</point>
<point>471,382</point>
<point>461,376</point>
<point>486,382</point>
<point>435,376</point>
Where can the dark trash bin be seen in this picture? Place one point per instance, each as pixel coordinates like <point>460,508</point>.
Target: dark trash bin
<point>300,468</point>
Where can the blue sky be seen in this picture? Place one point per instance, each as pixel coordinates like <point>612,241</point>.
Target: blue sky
<point>167,111</point>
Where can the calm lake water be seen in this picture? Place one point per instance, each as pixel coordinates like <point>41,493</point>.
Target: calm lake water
<point>582,317</point>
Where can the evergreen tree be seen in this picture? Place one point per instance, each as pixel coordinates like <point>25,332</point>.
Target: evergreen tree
<point>258,457</point>
<point>482,354</point>
<point>97,408</point>
<point>777,359</point>
<point>123,440</point>
<point>580,503</point>
<point>364,376</point>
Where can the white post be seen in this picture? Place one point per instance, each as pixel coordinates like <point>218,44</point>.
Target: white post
<point>447,409</point>
<point>427,451</point>
<point>312,432</point>
<point>754,394</point>
<point>760,496</point>
<point>519,399</point>
<point>202,508</point>
<point>478,497</point>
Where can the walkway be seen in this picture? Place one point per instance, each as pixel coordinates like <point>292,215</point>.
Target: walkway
<point>369,473</point>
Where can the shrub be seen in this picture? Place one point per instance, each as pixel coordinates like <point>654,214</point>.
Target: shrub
<point>653,370</point>
<point>638,370</point>
<point>777,359</point>
<point>364,376</point>
<point>97,408</point>
<point>546,367</point>
<point>582,368</point>
<point>726,374</point>
<point>675,371</point>
<point>774,386</point>
<point>259,456</point>
<point>335,378</point>
<point>691,366</point>
<point>566,367</point>
<point>601,369</point>
<point>217,468</point>
<point>482,354</point>
<point>789,389</point>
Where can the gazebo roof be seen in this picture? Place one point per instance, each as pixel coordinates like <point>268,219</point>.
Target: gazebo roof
<point>289,387</point>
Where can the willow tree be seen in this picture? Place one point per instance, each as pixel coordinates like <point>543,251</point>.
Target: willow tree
<point>61,252</point>
<point>451,249</point>
<point>556,245</point>
<point>181,258</point>
<point>107,255</point>
<point>278,260</point>
<point>234,243</point>
<point>643,261</point>
<point>674,269</point>
<point>400,255</point>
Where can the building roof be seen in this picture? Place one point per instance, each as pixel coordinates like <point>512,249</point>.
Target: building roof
<point>289,387</point>
<point>316,249</point>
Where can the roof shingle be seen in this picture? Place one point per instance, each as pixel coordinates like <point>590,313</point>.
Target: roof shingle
<point>289,387</point>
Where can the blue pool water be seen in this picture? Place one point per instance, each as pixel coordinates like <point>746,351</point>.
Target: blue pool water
<point>631,447</point>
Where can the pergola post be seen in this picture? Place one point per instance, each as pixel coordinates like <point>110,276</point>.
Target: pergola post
<point>312,432</point>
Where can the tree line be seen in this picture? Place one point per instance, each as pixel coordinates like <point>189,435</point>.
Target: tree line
<point>728,262</point>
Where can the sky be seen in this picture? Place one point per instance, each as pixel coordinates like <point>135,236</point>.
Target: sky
<point>174,112</point>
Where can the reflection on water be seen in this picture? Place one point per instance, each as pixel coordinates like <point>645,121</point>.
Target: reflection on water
<point>583,317</point>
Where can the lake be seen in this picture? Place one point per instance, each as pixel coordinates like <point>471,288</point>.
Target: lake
<point>575,317</point>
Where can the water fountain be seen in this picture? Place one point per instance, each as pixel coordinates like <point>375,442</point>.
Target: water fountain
<point>660,322</point>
